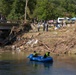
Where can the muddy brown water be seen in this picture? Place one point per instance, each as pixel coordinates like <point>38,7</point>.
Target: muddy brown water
<point>15,63</point>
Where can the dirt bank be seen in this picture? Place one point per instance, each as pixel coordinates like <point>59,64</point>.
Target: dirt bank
<point>60,41</point>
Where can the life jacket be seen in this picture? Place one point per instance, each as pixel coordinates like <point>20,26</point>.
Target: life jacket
<point>47,54</point>
<point>35,54</point>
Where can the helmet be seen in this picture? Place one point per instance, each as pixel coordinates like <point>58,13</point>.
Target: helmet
<point>34,51</point>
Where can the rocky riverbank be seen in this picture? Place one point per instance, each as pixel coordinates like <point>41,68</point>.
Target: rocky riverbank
<point>60,41</point>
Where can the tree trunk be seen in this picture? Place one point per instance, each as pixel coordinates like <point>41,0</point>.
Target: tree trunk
<point>26,10</point>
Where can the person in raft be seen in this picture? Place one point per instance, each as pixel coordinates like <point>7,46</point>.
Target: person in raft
<point>46,54</point>
<point>35,54</point>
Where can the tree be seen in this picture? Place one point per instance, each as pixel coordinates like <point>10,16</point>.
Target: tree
<point>17,10</point>
<point>41,9</point>
<point>5,6</point>
<point>26,10</point>
<point>29,8</point>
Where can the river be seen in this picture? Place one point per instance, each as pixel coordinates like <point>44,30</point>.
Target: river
<point>19,64</point>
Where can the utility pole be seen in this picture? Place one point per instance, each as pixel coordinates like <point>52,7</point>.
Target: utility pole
<point>26,10</point>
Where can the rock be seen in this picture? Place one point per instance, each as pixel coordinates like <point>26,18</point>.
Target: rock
<point>13,47</point>
<point>21,47</point>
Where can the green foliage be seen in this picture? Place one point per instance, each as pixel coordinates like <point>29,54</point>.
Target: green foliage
<point>5,6</point>
<point>41,9</point>
<point>59,8</point>
<point>17,10</point>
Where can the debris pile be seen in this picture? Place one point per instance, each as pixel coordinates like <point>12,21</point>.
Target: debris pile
<point>62,41</point>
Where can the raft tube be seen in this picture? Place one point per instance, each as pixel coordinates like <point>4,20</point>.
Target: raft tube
<point>40,58</point>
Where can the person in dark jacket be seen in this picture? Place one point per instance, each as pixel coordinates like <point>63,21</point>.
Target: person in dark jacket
<point>44,26</point>
<point>46,54</point>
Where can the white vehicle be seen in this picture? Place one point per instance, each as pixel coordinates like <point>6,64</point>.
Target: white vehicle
<point>60,20</point>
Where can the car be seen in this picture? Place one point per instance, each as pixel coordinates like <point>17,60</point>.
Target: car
<point>60,20</point>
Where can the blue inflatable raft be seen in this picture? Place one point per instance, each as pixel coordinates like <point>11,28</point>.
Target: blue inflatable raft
<point>40,58</point>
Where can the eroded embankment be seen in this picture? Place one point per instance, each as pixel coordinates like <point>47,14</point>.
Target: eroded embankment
<point>61,41</point>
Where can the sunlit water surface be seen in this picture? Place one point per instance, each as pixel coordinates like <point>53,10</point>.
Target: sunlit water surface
<point>19,64</point>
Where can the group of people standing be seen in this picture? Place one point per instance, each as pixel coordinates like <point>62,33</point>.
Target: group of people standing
<point>44,24</point>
